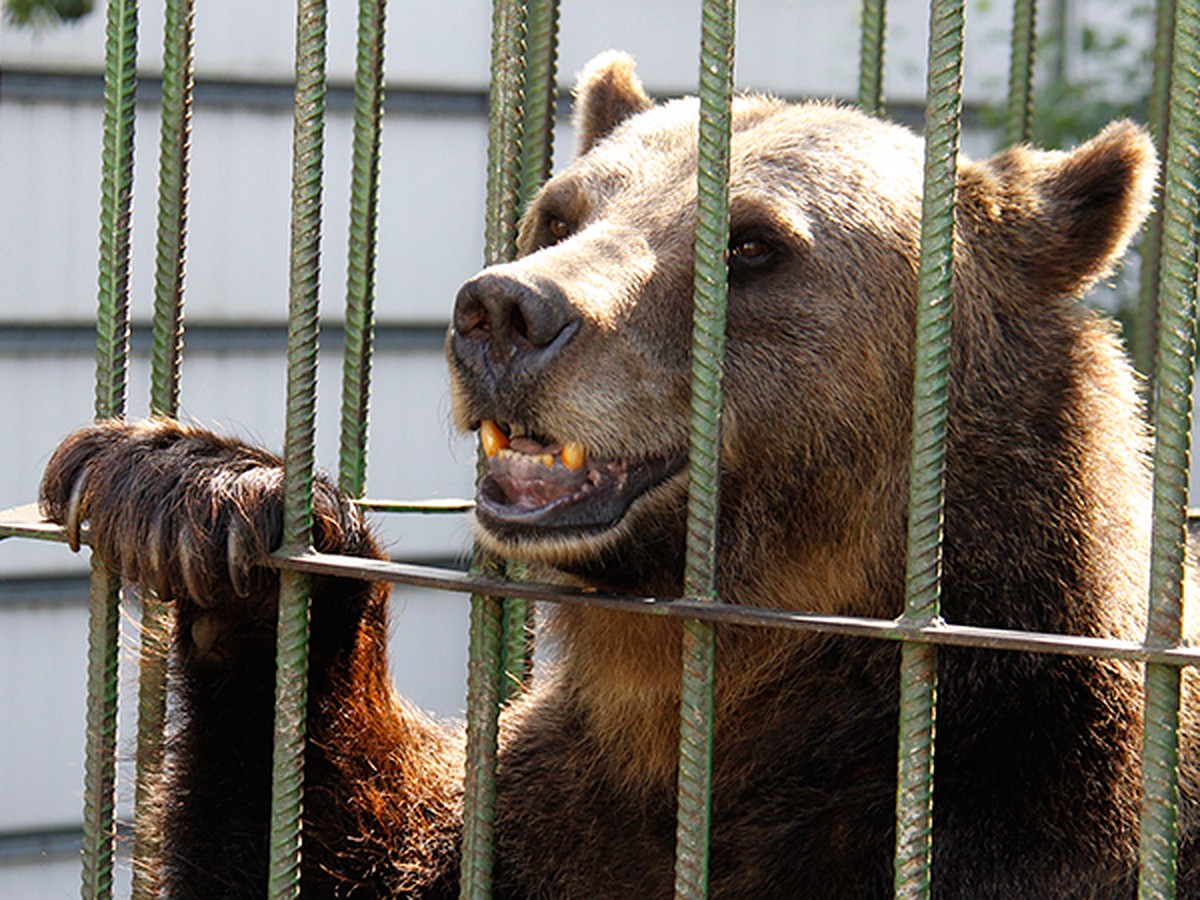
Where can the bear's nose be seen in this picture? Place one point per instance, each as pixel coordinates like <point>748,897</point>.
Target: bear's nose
<point>511,326</point>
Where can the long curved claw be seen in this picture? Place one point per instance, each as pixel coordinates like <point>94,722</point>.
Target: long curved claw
<point>156,565</point>
<point>191,566</point>
<point>74,522</point>
<point>237,559</point>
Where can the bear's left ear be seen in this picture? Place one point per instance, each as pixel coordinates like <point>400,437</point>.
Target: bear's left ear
<point>607,93</point>
<point>1061,219</point>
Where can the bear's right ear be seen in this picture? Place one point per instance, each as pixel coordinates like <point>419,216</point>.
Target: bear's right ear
<point>607,93</point>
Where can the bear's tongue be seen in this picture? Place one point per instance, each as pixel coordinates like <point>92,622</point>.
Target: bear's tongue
<point>532,476</point>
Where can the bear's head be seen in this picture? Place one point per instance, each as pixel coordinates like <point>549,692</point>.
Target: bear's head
<point>573,361</point>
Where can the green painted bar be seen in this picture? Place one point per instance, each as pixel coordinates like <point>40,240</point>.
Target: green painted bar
<point>1175,372</point>
<point>291,689</point>
<point>165,363</point>
<point>540,96</point>
<point>112,356</point>
<point>100,777</point>
<point>871,53</point>
<point>116,197</point>
<point>1019,120</point>
<point>484,677</point>
<point>694,805</point>
<point>539,103</point>
<point>175,137</point>
<point>918,665</point>
<point>1145,342</point>
<point>362,246</point>
<point>483,707</point>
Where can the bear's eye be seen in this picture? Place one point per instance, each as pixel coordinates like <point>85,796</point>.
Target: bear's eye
<point>559,228</point>
<point>750,252</point>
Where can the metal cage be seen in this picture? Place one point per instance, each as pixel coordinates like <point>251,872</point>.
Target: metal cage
<point>522,107</point>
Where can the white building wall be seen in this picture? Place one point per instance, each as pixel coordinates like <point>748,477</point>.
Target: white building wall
<point>431,239</point>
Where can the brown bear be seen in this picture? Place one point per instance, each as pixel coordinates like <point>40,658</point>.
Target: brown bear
<point>573,364</point>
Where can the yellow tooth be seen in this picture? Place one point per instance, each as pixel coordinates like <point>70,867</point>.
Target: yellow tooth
<point>547,460</point>
<point>491,438</point>
<point>573,455</point>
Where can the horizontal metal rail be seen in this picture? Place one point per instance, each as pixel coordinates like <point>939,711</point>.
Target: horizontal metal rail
<point>24,522</point>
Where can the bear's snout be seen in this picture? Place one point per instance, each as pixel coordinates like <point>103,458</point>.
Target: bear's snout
<point>504,327</point>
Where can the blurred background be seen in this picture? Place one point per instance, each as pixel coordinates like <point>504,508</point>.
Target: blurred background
<point>1093,67</point>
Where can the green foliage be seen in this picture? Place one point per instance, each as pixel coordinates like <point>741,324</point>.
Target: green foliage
<point>43,12</point>
<point>1111,78</point>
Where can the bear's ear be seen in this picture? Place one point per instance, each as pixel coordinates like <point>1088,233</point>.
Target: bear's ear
<point>607,92</point>
<point>1063,219</point>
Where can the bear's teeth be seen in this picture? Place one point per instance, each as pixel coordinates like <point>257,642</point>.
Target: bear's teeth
<point>573,455</point>
<point>492,439</point>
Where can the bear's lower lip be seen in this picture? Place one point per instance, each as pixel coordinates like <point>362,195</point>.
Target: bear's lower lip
<point>598,500</point>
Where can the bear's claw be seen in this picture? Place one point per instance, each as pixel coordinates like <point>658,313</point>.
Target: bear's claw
<point>238,561</point>
<point>74,521</point>
<point>191,566</point>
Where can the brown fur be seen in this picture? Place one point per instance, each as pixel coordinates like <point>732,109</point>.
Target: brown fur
<point>584,340</point>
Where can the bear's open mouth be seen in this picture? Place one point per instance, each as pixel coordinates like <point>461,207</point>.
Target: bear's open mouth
<point>531,482</point>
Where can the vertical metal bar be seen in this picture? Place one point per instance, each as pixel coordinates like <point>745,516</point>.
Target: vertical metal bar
<point>516,645</point>
<point>918,666</point>
<point>483,707</point>
<point>694,809</point>
<point>1172,428</point>
<point>116,195</point>
<point>1019,121</point>
<point>871,51</point>
<point>112,355</point>
<point>540,95</point>
<point>362,248</point>
<point>99,830</point>
<point>174,152</point>
<point>165,361</point>
<point>291,688</point>
<point>1145,343</point>
<point>506,109</point>
<point>505,113</point>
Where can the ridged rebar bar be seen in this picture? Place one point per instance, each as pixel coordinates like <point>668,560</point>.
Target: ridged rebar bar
<point>1145,343</point>
<point>870,60</point>
<point>539,102</point>
<point>174,156</point>
<point>112,357</point>
<point>1175,372</point>
<point>506,110</point>
<point>1018,123</point>
<point>504,162</point>
<point>517,632</point>
<point>165,361</point>
<point>483,707</point>
<point>363,245</point>
<point>100,777</point>
<point>694,804</point>
<point>918,666</point>
<point>540,96</point>
<point>116,196</point>
<point>291,688</point>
